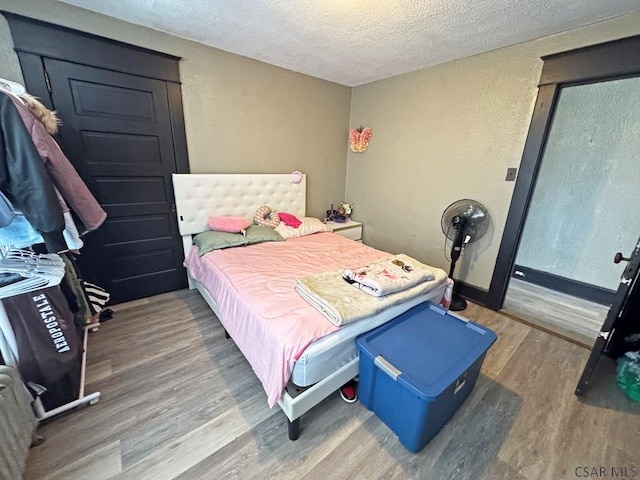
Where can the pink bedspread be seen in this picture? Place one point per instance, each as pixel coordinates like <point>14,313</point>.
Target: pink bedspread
<point>254,287</point>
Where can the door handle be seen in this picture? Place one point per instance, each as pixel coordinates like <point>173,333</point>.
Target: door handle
<point>619,258</point>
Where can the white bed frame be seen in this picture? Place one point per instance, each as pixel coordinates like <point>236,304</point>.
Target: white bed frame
<point>200,196</point>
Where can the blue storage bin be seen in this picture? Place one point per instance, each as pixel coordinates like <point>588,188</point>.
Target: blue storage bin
<point>416,370</point>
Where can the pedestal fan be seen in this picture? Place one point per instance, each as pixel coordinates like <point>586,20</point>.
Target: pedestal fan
<point>464,221</point>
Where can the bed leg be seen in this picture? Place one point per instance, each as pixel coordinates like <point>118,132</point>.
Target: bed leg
<point>226,334</point>
<point>294,429</point>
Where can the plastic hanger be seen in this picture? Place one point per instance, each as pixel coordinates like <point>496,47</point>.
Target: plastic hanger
<point>12,87</point>
<point>39,270</point>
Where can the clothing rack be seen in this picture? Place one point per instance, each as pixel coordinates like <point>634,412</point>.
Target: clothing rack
<point>56,190</point>
<point>40,412</point>
<point>91,399</point>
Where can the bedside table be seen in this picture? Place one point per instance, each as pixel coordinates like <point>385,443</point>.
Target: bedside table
<point>350,229</point>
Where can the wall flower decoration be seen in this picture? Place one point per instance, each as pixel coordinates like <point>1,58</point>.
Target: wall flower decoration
<point>359,139</point>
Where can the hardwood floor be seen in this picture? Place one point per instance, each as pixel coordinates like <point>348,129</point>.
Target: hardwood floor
<point>180,402</point>
<point>575,318</point>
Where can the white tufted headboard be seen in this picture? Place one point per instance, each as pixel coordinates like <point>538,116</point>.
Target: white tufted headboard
<point>200,196</point>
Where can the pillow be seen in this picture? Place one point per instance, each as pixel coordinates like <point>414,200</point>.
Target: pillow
<point>209,241</point>
<point>259,234</point>
<point>289,220</point>
<point>266,216</point>
<point>227,223</point>
<point>308,226</point>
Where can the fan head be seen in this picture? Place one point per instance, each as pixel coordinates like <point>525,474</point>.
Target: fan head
<point>476,219</point>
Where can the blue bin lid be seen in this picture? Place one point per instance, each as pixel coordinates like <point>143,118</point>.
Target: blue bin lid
<point>428,346</point>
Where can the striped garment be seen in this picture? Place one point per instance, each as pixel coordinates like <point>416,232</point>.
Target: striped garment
<point>96,296</point>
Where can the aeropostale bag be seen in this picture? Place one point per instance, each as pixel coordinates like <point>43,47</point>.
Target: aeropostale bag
<point>49,345</point>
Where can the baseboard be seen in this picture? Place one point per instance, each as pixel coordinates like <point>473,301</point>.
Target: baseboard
<point>557,283</point>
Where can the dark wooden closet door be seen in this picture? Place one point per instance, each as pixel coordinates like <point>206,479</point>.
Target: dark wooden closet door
<point>117,132</point>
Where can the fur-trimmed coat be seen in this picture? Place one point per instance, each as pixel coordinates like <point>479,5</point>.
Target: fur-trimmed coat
<point>64,176</point>
<point>24,179</point>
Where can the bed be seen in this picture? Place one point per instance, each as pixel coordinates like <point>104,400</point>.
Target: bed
<point>298,355</point>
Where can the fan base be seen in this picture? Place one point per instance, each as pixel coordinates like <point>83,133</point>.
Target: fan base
<point>457,303</point>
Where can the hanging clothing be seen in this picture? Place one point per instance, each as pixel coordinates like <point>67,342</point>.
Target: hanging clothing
<point>42,331</point>
<point>46,117</point>
<point>72,289</point>
<point>97,297</point>
<point>63,174</point>
<point>6,211</point>
<point>49,345</point>
<point>86,300</point>
<point>20,234</point>
<point>24,179</point>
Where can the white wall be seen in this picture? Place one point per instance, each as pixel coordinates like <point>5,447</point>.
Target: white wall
<point>446,133</point>
<point>585,206</point>
<point>241,115</point>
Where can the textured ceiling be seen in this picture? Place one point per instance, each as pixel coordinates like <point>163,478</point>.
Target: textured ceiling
<point>353,42</point>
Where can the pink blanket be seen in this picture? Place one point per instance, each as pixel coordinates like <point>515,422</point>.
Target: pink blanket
<point>254,287</point>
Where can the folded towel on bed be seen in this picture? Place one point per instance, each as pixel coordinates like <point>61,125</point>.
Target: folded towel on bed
<point>341,304</point>
<point>388,276</point>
